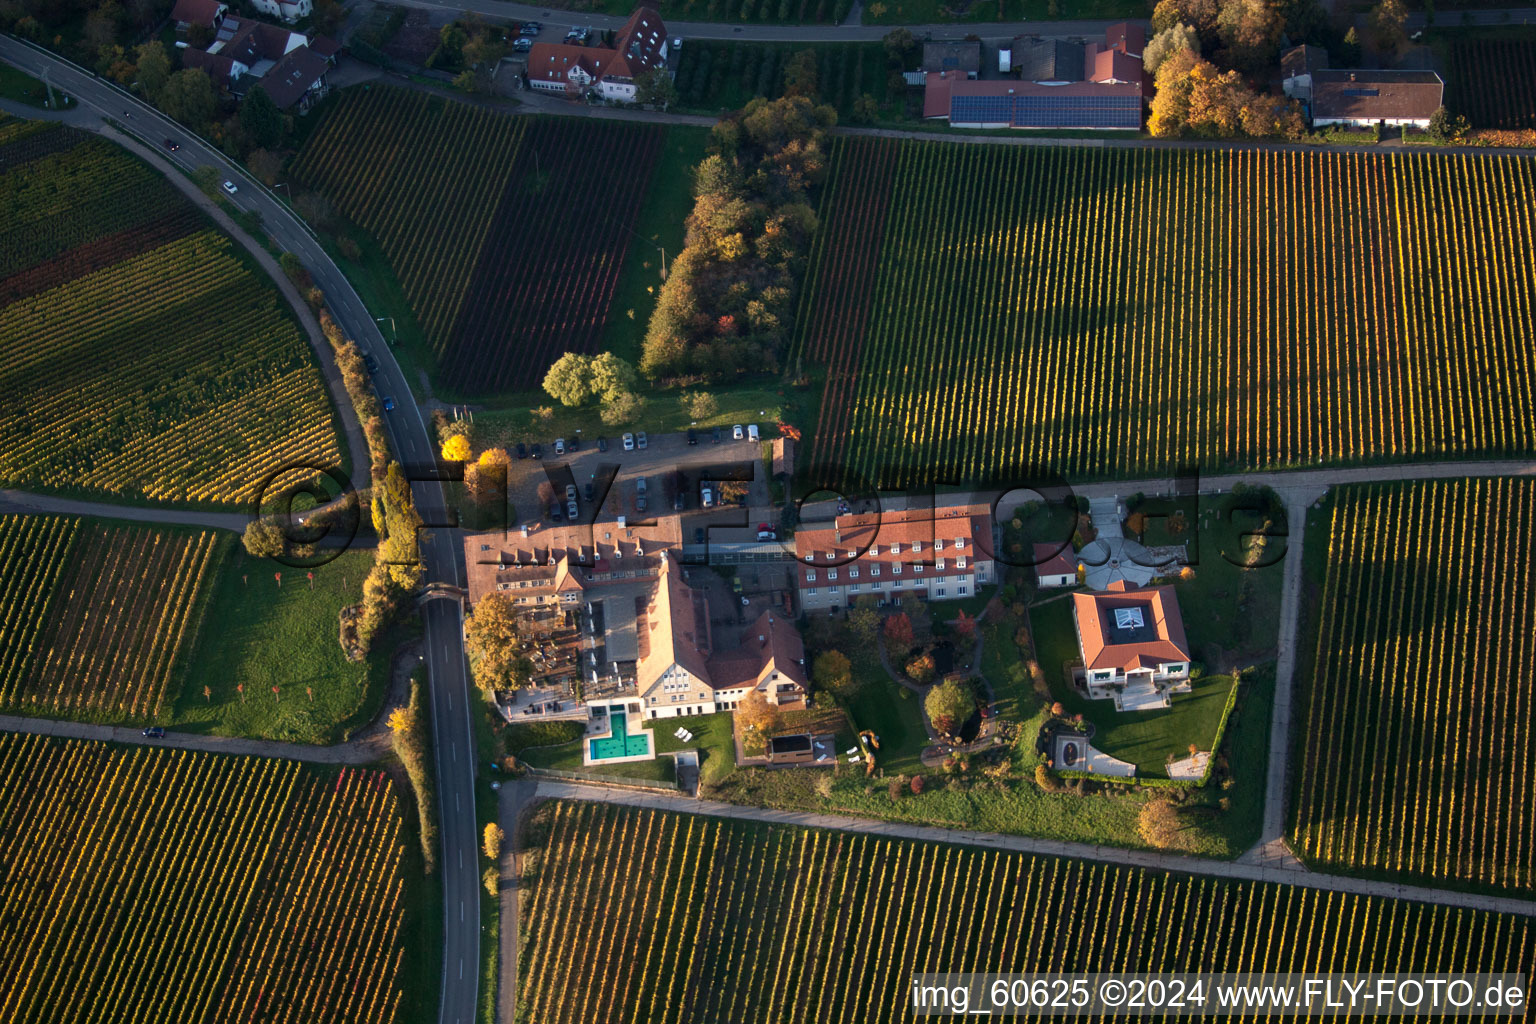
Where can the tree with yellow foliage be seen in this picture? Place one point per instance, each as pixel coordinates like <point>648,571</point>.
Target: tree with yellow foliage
<point>456,448</point>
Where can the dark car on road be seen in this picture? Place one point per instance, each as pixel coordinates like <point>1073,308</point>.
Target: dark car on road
<point>370,362</point>
<point>538,450</point>
<point>715,436</point>
<point>693,438</point>
<point>389,403</point>
<point>154,732</point>
<point>641,440</point>
<point>602,444</point>
<point>172,145</point>
<point>573,445</point>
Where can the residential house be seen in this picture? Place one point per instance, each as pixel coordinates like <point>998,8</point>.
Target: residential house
<point>952,56</point>
<point>207,13</point>
<point>1055,565</point>
<point>1297,65</point>
<point>290,66</point>
<point>289,10</point>
<point>937,554</point>
<point>1133,645</point>
<point>1360,99</point>
<point>610,74</point>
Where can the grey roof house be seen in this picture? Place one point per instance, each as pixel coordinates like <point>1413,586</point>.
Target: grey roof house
<point>1047,60</point>
<point>952,55</point>
<point>1361,98</point>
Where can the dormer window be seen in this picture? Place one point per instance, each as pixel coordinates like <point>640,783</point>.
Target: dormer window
<point>853,573</point>
<point>939,565</point>
<point>938,544</point>
<point>895,549</point>
<point>874,570</point>
<point>917,566</point>
<point>831,574</point>
<point>960,562</point>
<point>959,542</point>
<point>896,569</point>
<point>810,577</point>
<point>917,547</point>
<point>811,557</point>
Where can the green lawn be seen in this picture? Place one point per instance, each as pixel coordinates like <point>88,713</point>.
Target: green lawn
<point>891,712</point>
<point>711,737</point>
<point>23,88</point>
<point>567,757</point>
<point>258,635</point>
<point>1002,663</point>
<point>922,12</point>
<point>1144,738</point>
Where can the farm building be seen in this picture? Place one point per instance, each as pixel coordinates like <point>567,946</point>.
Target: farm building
<point>1055,565</point>
<point>289,10</point>
<point>1360,99</point>
<point>937,554</point>
<point>1010,104</point>
<point>1132,644</point>
<point>576,71</point>
<point>952,55</point>
<point>1297,65</point>
<point>1048,61</point>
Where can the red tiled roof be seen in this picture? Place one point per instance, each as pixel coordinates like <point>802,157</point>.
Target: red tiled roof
<point>197,12</point>
<point>216,65</point>
<point>909,538</point>
<point>637,47</point>
<point>552,62</point>
<point>1163,628</point>
<point>1115,66</point>
<point>1055,560</point>
<point>1126,36</point>
<point>293,76</point>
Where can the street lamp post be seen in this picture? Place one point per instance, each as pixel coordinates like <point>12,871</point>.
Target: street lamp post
<point>394,336</point>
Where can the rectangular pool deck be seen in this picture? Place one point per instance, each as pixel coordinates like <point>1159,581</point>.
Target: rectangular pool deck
<point>621,743</point>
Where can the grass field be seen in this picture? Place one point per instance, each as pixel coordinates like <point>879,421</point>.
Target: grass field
<point>142,358</point>
<point>710,919</point>
<point>1415,747</point>
<point>22,87</point>
<point>1118,312</point>
<point>97,613</point>
<point>259,634</point>
<point>506,234</point>
<point>160,885</point>
<point>716,75</point>
<point>764,12</point>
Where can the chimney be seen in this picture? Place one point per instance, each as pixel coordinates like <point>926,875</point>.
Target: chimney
<point>1351,76</point>
<point>525,529</point>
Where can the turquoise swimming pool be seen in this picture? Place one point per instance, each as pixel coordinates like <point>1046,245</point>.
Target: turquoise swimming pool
<point>619,742</point>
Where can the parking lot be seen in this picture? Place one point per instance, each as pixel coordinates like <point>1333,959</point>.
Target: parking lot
<point>669,466</point>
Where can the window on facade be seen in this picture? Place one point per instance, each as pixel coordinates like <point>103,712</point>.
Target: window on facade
<point>811,557</point>
<point>896,569</point>
<point>939,565</point>
<point>874,570</point>
<point>917,547</point>
<point>810,577</point>
<point>917,567</point>
<point>853,586</point>
<point>960,562</point>
<point>939,591</point>
<point>938,544</point>
<point>895,549</point>
<point>963,589</point>
<point>853,573</point>
<point>812,591</point>
<point>1176,669</point>
<point>831,574</point>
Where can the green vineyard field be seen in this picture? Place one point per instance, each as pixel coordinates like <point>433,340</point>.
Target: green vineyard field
<point>97,615</point>
<point>140,358</point>
<point>170,886</point>
<point>706,919</point>
<point>1105,312</point>
<point>1417,755</point>
<point>506,234</point>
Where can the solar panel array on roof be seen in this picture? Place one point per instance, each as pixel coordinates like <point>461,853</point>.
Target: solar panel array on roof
<point>1048,111</point>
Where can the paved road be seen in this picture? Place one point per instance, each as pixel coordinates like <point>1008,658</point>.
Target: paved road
<point>440,548</point>
<point>549,789</point>
<point>25,502</point>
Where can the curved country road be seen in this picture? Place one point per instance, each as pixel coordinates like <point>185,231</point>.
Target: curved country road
<point>440,548</point>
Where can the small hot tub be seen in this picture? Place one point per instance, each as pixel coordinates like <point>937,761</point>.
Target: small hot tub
<point>797,744</point>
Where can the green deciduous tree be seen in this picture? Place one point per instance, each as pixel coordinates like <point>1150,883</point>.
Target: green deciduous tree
<point>260,118</point>
<point>494,640</point>
<point>833,672</point>
<point>188,97</point>
<point>154,69</point>
<point>949,704</point>
<point>569,380</point>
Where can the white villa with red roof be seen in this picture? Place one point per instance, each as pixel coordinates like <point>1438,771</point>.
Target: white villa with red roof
<point>641,45</point>
<point>1133,645</point>
<point>1055,565</point>
<point>937,554</point>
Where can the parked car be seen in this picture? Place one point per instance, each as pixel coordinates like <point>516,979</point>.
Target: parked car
<point>172,145</point>
<point>765,531</point>
<point>389,403</point>
<point>641,499</point>
<point>154,732</point>
<point>559,446</point>
<point>716,438</point>
<point>522,450</point>
<point>693,438</point>
<point>641,441</point>
<point>230,187</point>
<point>602,444</point>
<point>555,513</point>
<point>572,510</point>
<point>574,445</point>
<point>738,432</point>
<point>707,496</point>
<point>570,493</point>
<point>537,450</point>
<point>752,432</point>
<point>678,504</point>
<point>522,44</point>
<point>698,535</point>
<point>629,442</point>
<point>530,28</point>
